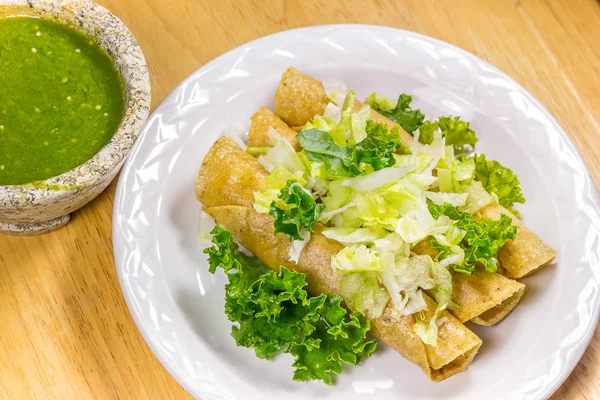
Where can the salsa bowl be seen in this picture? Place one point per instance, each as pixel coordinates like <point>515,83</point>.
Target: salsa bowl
<point>42,206</point>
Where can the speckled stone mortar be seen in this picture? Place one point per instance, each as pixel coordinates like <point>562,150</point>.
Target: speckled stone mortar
<point>45,205</point>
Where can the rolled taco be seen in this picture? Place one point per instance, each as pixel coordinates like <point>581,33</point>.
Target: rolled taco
<point>225,186</point>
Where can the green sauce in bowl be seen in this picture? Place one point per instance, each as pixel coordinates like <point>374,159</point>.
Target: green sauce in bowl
<point>61,99</point>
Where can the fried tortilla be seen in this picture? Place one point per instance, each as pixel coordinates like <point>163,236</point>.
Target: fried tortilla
<point>299,98</point>
<point>262,120</point>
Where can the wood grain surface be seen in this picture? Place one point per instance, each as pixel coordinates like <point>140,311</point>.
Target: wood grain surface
<point>65,331</point>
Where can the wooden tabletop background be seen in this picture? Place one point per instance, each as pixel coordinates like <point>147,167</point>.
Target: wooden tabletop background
<point>65,331</point>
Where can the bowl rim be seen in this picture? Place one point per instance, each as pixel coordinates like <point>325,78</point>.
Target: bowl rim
<point>117,40</point>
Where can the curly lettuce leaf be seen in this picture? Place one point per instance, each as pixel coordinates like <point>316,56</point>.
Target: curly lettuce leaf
<point>275,314</point>
<point>457,132</point>
<point>383,137</point>
<point>338,338</point>
<point>499,180</point>
<point>400,112</point>
<point>224,253</point>
<point>426,131</point>
<point>348,161</point>
<point>374,155</point>
<point>295,212</point>
<point>481,242</point>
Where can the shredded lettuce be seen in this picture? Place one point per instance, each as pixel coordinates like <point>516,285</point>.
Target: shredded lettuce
<point>482,239</point>
<point>478,197</point>
<point>377,179</point>
<point>403,275</point>
<point>352,236</point>
<point>456,199</point>
<point>343,133</point>
<point>276,180</point>
<point>409,192</point>
<point>275,314</point>
<point>345,126</point>
<point>498,179</point>
<point>416,225</point>
<point>410,276</point>
<point>330,214</point>
<point>296,212</point>
<point>356,259</point>
<point>337,198</point>
<point>455,180</point>
<point>399,111</point>
<point>297,246</point>
<point>428,332</point>
<point>336,89</point>
<point>362,293</point>
<point>392,243</point>
<point>406,284</point>
<point>462,170</point>
<point>206,224</point>
<point>283,154</point>
<point>370,209</point>
<point>454,173</point>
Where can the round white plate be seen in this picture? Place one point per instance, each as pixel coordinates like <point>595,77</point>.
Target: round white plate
<point>178,305</point>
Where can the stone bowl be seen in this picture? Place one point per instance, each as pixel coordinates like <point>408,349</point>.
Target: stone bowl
<point>43,206</point>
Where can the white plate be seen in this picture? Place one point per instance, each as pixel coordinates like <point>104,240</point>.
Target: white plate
<point>178,305</point>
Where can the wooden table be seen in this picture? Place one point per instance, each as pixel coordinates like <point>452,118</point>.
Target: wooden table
<point>66,332</point>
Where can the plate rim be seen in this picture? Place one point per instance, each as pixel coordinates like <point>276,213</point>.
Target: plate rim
<point>584,340</point>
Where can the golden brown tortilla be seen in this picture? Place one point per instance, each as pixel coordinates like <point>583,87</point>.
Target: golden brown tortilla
<point>250,175</point>
<point>231,205</point>
<point>299,98</point>
<point>262,120</point>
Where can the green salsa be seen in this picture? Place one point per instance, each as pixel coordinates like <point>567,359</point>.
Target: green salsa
<point>61,99</point>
